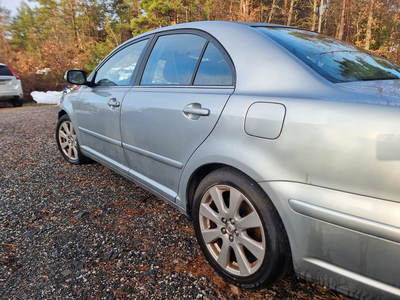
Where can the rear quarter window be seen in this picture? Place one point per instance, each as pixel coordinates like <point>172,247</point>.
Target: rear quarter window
<point>335,60</point>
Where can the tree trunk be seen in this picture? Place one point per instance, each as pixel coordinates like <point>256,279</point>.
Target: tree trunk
<point>369,25</point>
<point>321,7</point>
<point>348,21</point>
<point>285,14</point>
<point>72,7</point>
<point>341,26</point>
<point>290,12</point>
<point>398,56</point>
<point>314,16</point>
<point>174,14</point>
<point>272,11</point>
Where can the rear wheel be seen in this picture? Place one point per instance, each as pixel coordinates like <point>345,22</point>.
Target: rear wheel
<point>68,143</point>
<point>17,102</point>
<point>239,230</point>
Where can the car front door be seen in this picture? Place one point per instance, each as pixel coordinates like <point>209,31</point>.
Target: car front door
<point>98,108</point>
<point>173,107</point>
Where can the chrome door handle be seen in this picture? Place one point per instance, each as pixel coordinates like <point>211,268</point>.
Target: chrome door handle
<point>113,103</point>
<point>196,111</point>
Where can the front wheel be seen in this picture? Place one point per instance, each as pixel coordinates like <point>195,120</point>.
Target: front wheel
<point>68,143</point>
<point>239,230</point>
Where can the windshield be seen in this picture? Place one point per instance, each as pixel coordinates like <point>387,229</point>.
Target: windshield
<point>333,59</point>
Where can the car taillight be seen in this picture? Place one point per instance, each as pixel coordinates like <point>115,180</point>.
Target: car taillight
<point>16,75</point>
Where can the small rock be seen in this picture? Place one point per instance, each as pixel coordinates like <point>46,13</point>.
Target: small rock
<point>66,272</point>
<point>80,266</point>
<point>30,233</point>
<point>175,262</point>
<point>150,272</point>
<point>81,215</point>
<point>34,218</point>
<point>108,256</point>
<point>115,255</point>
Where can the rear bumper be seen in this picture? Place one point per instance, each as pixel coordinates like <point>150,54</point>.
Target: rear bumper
<point>11,95</point>
<point>9,98</point>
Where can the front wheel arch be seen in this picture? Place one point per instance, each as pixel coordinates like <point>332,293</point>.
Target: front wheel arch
<point>67,141</point>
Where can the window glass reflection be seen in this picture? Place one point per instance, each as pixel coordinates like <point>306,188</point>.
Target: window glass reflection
<point>173,60</point>
<point>119,68</point>
<point>213,69</point>
<point>333,59</point>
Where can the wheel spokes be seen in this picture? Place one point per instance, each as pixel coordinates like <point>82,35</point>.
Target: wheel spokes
<point>243,263</point>
<point>65,128</point>
<point>211,235</point>
<point>224,255</point>
<point>249,221</point>
<point>63,135</point>
<point>64,145</point>
<point>67,140</point>
<point>232,230</point>
<point>207,212</point>
<point>216,195</point>
<point>74,153</point>
<point>256,248</point>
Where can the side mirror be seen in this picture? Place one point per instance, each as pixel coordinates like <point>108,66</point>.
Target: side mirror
<point>76,77</point>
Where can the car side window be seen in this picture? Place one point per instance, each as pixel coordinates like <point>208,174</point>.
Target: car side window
<point>119,68</point>
<point>213,69</point>
<point>173,60</point>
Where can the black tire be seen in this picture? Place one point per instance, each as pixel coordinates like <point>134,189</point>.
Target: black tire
<point>17,102</point>
<point>262,244</point>
<point>67,142</point>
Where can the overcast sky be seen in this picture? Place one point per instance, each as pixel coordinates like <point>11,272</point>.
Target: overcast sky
<point>13,4</point>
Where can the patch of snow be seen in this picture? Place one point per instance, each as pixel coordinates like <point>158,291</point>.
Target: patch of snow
<point>44,71</point>
<point>50,97</point>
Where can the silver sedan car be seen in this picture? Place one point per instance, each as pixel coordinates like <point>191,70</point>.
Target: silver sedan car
<point>281,144</point>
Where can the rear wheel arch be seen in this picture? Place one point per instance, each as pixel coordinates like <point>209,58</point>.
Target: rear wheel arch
<point>200,174</point>
<point>195,180</point>
<point>271,230</point>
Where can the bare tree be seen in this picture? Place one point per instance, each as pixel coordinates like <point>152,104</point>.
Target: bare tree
<point>369,24</point>
<point>321,9</point>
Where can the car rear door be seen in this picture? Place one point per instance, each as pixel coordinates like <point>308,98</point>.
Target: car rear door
<point>173,107</point>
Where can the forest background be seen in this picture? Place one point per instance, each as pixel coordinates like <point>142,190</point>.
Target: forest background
<point>57,35</point>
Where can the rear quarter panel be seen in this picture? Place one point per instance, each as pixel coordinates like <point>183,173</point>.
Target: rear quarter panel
<point>340,156</point>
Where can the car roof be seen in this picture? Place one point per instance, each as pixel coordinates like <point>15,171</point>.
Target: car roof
<point>258,24</point>
<point>208,25</point>
<point>284,67</point>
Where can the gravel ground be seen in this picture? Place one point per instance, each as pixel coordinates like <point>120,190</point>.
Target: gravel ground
<point>84,232</point>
